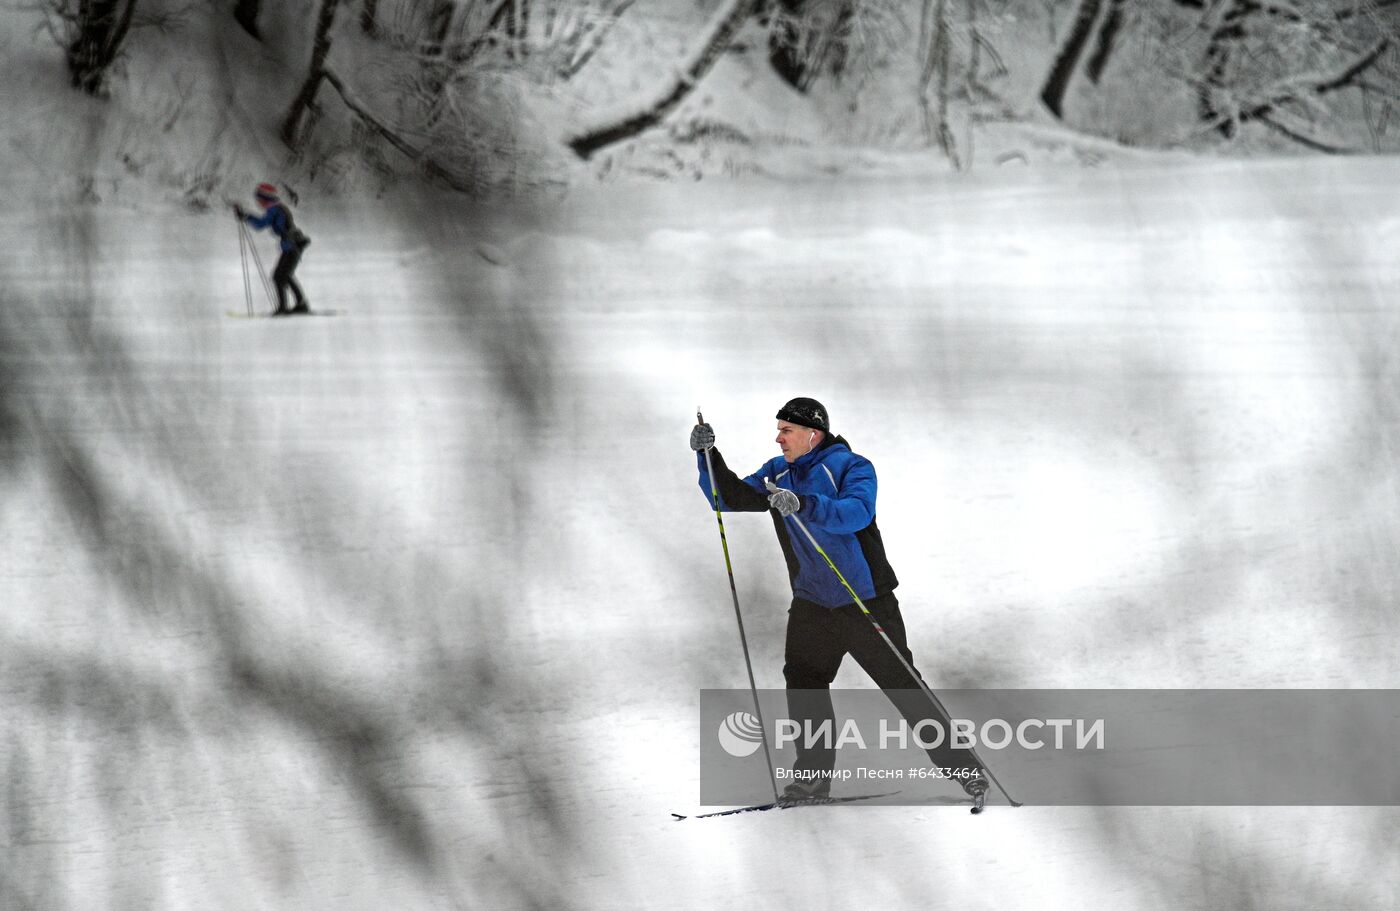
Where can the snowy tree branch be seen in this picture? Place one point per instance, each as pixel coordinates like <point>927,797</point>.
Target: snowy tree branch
<point>625,122</point>
<point>592,38</point>
<point>1272,122</point>
<point>1299,87</point>
<point>389,135</point>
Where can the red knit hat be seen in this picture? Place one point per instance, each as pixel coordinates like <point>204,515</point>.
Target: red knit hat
<point>266,191</point>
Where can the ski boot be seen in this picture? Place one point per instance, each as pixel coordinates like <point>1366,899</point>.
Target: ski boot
<point>805,790</point>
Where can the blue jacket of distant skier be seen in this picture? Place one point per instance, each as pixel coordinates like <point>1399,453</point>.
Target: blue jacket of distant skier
<point>836,488</point>
<point>275,217</point>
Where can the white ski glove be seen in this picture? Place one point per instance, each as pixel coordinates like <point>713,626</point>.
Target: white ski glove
<point>702,437</point>
<point>783,500</point>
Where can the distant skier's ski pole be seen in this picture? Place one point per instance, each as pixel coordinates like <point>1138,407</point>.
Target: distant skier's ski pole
<point>937,704</point>
<point>734,592</point>
<point>257,259</point>
<point>243,258</point>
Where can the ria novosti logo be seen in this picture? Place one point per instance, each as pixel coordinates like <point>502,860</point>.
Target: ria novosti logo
<point>740,734</point>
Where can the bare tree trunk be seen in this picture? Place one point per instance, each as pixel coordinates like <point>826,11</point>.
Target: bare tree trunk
<point>439,26</point>
<point>783,41</point>
<point>974,62</point>
<point>315,73</point>
<point>936,51</point>
<point>519,29</point>
<point>245,13</point>
<point>100,27</point>
<point>1067,61</point>
<point>837,56</point>
<point>1219,54</point>
<point>799,65</point>
<point>1108,35</point>
<point>437,70</point>
<point>626,123</point>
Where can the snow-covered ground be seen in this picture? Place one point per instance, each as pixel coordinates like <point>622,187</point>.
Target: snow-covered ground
<point>411,607</point>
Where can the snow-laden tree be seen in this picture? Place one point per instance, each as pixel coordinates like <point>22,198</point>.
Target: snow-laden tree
<point>447,90</point>
<point>809,38</point>
<point>91,33</point>
<point>644,112</point>
<point>1284,64</point>
<point>1321,72</point>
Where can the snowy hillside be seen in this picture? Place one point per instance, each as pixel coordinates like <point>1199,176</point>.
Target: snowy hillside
<point>410,607</point>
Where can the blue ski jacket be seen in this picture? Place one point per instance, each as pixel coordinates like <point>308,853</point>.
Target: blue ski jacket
<point>836,488</point>
<point>276,218</point>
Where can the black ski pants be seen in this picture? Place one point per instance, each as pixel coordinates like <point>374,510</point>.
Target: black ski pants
<point>282,279</point>
<point>818,638</point>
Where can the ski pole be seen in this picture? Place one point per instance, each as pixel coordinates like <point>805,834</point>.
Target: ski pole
<point>738,615</point>
<point>937,704</point>
<point>262,270</point>
<point>243,258</point>
<point>257,259</point>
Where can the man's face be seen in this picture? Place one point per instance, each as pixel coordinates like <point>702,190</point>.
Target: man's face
<point>796,441</point>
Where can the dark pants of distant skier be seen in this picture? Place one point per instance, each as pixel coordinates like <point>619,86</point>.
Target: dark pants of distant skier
<point>818,638</point>
<point>282,279</point>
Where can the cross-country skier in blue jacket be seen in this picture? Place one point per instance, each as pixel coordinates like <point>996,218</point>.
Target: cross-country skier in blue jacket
<point>832,490</point>
<point>292,243</point>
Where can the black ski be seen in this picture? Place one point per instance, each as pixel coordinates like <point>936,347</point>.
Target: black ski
<point>245,315</point>
<point>787,805</point>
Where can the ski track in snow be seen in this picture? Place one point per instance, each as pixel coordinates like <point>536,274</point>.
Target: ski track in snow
<point>412,608</point>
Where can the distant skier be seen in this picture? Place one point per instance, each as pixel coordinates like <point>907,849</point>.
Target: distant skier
<point>292,243</point>
<point>832,490</point>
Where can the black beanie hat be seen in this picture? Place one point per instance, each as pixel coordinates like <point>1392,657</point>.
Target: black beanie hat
<point>807,413</point>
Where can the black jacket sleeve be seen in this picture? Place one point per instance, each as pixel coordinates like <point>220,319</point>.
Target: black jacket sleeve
<point>734,494</point>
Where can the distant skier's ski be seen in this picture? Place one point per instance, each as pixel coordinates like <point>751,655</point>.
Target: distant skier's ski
<point>786,805</point>
<point>246,315</point>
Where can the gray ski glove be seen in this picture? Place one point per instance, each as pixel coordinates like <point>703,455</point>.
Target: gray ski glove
<point>702,437</point>
<point>784,501</point>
